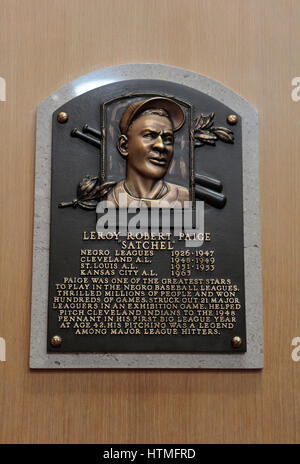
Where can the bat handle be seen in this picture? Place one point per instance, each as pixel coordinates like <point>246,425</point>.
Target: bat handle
<point>209,182</point>
<point>86,138</point>
<point>215,199</point>
<point>89,130</point>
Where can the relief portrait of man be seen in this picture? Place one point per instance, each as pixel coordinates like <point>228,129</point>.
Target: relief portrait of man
<point>146,142</point>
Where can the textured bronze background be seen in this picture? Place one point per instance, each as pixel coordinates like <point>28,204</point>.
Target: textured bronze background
<point>145,406</point>
<point>75,158</point>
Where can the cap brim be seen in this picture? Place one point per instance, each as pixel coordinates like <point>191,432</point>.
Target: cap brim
<point>174,110</point>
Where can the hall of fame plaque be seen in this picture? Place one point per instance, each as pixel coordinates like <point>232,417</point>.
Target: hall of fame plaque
<point>146,245</point>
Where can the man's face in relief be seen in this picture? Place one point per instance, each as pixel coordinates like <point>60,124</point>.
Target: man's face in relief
<point>150,145</point>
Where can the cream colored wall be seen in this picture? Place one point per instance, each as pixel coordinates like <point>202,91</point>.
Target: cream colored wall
<point>251,46</point>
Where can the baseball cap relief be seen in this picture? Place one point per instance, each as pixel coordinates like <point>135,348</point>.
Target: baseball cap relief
<point>174,111</point>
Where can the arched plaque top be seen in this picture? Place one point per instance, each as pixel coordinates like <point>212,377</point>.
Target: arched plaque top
<point>123,72</point>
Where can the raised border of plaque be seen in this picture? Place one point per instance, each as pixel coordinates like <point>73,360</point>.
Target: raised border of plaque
<point>253,357</point>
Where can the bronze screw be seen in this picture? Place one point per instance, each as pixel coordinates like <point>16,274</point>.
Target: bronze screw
<point>62,117</point>
<point>232,119</point>
<point>236,342</point>
<point>56,340</point>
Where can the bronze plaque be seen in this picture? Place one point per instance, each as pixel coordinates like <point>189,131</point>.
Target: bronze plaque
<point>147,226</point>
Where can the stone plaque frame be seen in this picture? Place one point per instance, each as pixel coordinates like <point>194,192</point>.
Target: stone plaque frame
<point>253,358</point>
